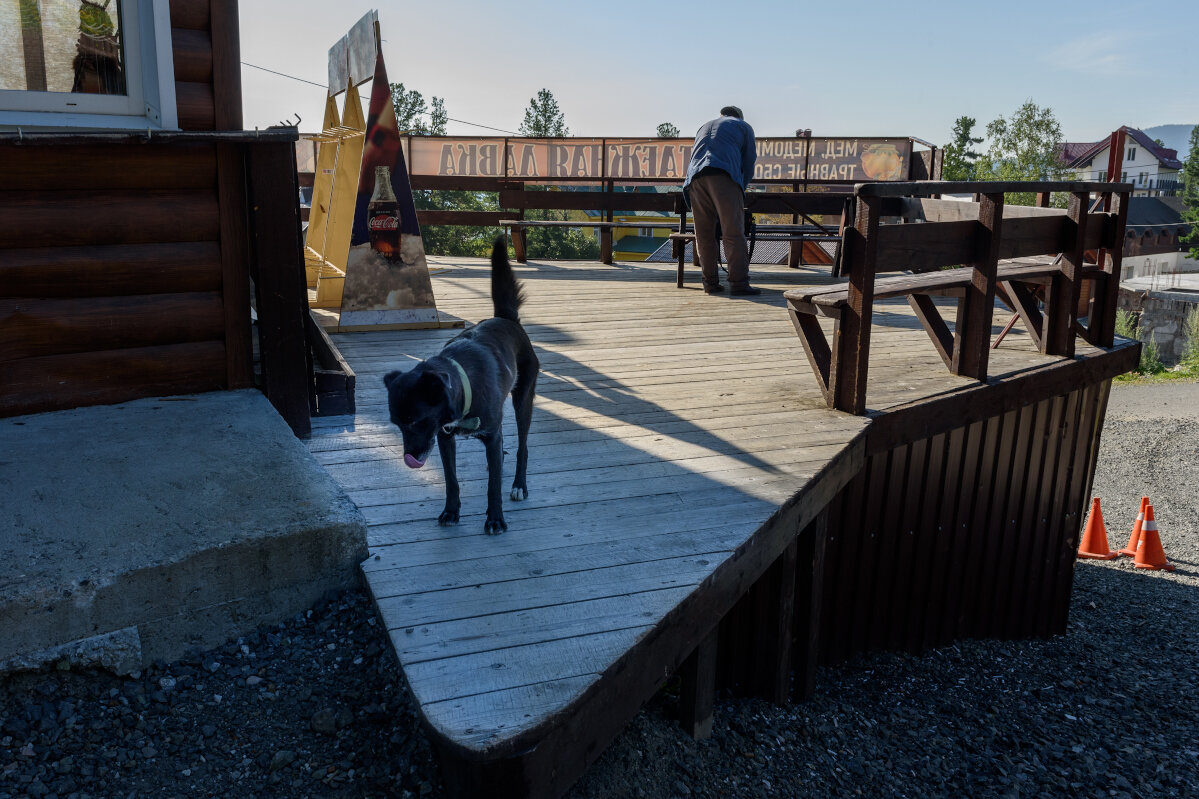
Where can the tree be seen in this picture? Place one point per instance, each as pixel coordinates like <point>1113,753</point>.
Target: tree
<point>411,112</point>
<point>438,118</point>
<point>543,117</point>
<point>959,158</point>
<point>1026,147</point>
<point>668,130</point>
<point>457,239</point>
<point>1190,192</point>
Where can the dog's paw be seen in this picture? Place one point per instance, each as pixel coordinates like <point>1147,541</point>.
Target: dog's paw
<point>494,525</point>
<point>448,517</point>
<point>519,493</point>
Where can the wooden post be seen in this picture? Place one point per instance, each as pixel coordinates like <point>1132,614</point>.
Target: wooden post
<point>774,628</point>
<point>1061,300</point>
<point>1107,289</point>
<point>520,244</point>
<point>698,691</point>
<point>282,295</point>
<point>235,276</point>
<point>809,593</point>
<point>851,346</point>
<point>972,345</point>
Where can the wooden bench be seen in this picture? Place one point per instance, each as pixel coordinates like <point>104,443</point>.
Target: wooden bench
<point>801,206</point>
<point>520,241</point>
<point>795,234</point>
<point>1017,284</point>
<point>1024,255</point>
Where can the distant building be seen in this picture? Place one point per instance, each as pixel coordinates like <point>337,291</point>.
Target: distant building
<point>1150,168</point>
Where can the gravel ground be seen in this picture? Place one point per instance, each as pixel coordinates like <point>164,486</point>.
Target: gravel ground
<point>316,707</point>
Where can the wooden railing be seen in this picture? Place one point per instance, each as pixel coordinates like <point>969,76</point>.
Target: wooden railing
<point>983,239</point>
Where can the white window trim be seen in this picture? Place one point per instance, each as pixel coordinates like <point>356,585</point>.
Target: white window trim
<point>149,76</point>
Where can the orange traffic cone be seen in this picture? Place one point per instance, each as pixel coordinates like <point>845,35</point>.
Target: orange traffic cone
<point>1094,538</point>
<point>1131,549</point>
<point>1150,554</point>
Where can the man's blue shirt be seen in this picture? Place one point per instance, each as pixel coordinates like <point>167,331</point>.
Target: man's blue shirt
<point>725,143</point>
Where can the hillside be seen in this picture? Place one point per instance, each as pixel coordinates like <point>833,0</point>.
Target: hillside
<point>1177,137</point>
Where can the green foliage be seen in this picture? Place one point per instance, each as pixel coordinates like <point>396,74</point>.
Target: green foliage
<point>959,158</point>
<point>1128,326</point>
<point>1190,347</point>
<point>457,239</point>
<point>438,118</point>
<point>562,243</point>
<point>543,117</point>
<point>1024,147</point>
<point>668,130</point>
<point>1190,192</point>
<point>411,112</point>
<point>1151,361</point>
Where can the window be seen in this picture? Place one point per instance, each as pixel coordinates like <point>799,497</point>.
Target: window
<point>1132,153</point>
<point>86,63</point>
<point>1103,176</point>
<point>645,231</point>
<point>1123,177</point>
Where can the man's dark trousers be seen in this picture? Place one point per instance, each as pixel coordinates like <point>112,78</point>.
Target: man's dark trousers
<point>716,196</point>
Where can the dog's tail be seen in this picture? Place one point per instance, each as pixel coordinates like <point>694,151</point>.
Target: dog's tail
<point>506,292</point>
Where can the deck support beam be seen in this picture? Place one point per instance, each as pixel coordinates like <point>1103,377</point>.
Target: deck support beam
<point>698,692</point>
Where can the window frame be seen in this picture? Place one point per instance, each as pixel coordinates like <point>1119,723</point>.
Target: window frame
<point>149,101</point>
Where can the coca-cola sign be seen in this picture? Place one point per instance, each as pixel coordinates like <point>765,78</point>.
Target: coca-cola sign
<point>384,223</point>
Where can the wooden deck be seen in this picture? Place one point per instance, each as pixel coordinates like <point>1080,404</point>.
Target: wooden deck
<point>672,431</point>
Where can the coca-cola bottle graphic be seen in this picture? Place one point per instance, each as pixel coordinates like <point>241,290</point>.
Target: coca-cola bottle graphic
<point>383,217</point>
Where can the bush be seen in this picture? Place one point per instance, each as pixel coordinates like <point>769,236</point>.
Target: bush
<point>1151,361</point>
<point>1190,331</point>
<point>1128,326</point>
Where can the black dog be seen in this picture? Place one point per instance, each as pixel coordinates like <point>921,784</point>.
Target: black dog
<point>461,391</point>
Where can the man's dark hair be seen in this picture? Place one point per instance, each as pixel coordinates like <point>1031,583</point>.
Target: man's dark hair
<point>731,111</point>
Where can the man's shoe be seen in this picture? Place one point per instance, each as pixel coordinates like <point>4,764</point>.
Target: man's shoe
<point>748,291</point>
<point>713,289</point>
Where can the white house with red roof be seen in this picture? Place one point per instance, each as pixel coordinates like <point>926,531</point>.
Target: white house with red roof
<point>1152,169</point>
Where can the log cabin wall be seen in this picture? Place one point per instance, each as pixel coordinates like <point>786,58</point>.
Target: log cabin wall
<point>123,267</point>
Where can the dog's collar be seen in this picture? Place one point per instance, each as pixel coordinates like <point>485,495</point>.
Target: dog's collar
<point>463,423</point>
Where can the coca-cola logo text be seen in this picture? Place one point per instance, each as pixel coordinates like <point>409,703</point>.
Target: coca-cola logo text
<point>387,222</point>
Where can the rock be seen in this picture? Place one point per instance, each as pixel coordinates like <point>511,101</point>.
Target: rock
<point>282,759</point>
<point>324,721</point>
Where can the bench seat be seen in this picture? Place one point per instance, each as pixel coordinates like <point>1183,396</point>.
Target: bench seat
<point>791,233</point>
<point>519,240</point>
<point>1018,282</point>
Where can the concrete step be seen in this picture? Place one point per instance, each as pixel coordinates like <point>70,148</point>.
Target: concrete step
<point>138,531</point>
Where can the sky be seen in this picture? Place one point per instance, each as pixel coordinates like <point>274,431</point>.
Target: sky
<point>854,69</point>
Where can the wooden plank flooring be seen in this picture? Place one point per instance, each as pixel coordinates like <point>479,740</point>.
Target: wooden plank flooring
<point>669,426</point>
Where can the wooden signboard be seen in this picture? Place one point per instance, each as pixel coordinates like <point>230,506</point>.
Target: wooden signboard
<point>664,160</point>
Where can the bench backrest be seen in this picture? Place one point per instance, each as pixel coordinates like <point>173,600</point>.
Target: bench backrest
<point>979,235</point>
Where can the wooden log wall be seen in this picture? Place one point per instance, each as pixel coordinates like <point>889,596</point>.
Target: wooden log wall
<point>111,284</point>
<point>123,267</point>
<point>207,60</point>
<point>970,533</point>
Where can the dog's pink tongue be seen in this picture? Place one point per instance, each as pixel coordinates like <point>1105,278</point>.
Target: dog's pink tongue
<point>411,462</point>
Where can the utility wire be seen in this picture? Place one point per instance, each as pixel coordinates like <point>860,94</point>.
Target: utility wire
<point>425,113</point>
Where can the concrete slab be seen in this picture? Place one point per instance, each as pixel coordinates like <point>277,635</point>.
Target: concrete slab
<point>137,531</point>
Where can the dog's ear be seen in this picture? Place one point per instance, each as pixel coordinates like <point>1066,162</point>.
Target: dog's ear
<point>390,378</point>
<point>435,382</point>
